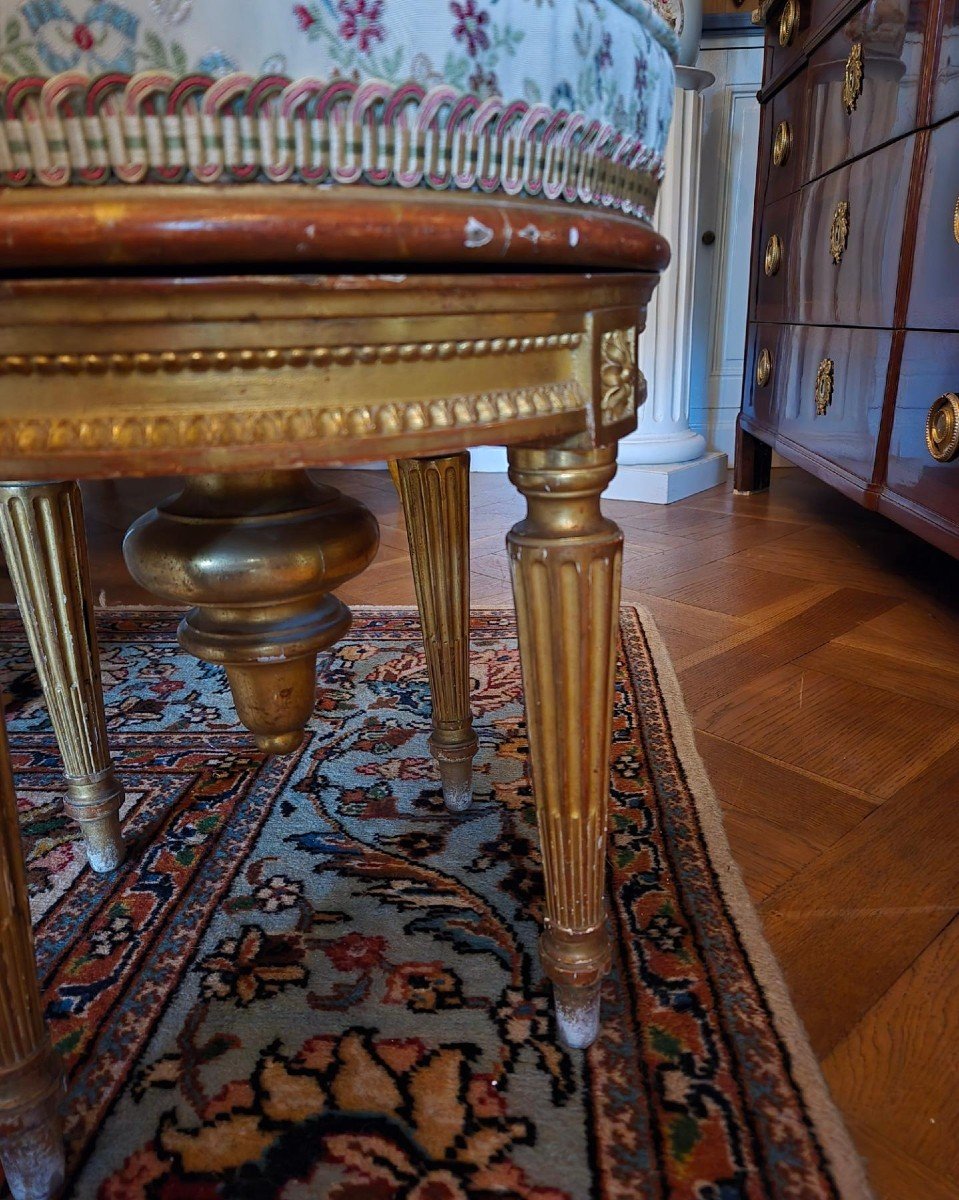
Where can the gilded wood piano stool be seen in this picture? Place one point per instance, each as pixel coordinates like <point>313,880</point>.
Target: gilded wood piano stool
<point>235,277</point>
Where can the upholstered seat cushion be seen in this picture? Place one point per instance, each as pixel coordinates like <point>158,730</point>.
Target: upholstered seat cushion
<point>566,99</point>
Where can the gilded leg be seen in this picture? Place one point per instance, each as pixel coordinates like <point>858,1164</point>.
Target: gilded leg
<point>31,1140</point>
<point>566,563</point>
<point>435,496</point>
<point>41,528</point>
<point>258,554</point>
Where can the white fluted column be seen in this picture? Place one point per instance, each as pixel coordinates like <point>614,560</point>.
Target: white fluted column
<point>669,457</point>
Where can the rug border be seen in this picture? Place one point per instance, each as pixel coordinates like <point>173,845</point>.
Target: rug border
<point>845,1162</point>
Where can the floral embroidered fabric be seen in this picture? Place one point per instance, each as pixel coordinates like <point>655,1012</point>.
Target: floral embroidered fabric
<point>562,98</point>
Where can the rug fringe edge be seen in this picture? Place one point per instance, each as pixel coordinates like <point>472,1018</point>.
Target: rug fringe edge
<point>847,1164</point>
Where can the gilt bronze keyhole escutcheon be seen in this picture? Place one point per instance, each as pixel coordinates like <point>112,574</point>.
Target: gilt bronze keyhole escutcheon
<point>852,79</point>
<point>824,386</point>
<point>839,231</point>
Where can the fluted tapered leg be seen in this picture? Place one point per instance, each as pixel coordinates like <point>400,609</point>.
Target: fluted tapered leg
<point>31,1141</point>
<point>435,496</point>
<point>41,527</point>
<point>566,563</point>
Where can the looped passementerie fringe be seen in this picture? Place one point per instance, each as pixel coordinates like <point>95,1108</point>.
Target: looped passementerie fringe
<point>156,127</point>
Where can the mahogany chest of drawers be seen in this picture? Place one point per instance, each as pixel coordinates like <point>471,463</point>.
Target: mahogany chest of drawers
<point>852,356</point>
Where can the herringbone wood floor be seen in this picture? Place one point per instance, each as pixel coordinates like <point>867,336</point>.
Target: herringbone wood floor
<point>818,650</point>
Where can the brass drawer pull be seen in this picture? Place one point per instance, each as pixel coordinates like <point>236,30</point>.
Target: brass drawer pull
<point>788,22</point>
<point>942,428</point>
<point>839,231</point>
<point>774,254</point>
<point>852,79</point>
<point>824,383</point>
<point>782,143</point>
<point>764,367</point>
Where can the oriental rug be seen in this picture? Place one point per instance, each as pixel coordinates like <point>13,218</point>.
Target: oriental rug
<point>311,980</point>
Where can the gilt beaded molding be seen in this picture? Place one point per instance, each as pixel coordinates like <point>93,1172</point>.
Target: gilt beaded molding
<point>201,361</point>
<point>265,426</point>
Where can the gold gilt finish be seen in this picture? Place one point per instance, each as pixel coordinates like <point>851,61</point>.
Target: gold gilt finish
<point>30,1083</point>
<point>852,79</point>
<point>618,374</point>
<point>225,379</point>
<point>241,374</point>
<point>788,22</point>
<point>566,561</point>
<point>282,424</point>
<point>839,232</point>
<point>782,143</point>
<point>824,385</point>
<point>942,428</point>
<point>774,255</point>
<point>148,362</point>
<point>435,496</point>
<point>764,367</point>
<point>41,528</point>
<point>258,554</point>
<point>955,220</point>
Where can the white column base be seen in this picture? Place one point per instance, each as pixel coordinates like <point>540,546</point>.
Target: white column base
<point>679,447</point>
<point>489,458</point>
<point>667,482</point>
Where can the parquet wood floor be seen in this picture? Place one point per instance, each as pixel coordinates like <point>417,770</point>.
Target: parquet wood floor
<point>818,650</point>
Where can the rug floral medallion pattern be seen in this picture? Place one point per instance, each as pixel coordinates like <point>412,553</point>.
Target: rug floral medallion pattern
<point>310,980</point>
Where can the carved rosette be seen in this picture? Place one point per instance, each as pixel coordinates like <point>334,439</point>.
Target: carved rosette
<point>435,496</point>
<point>566,563</point>
<point>618,375</point>
<point>41,529</point>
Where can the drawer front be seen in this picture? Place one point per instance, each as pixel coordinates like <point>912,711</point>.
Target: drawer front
<point>930,369</point>
<point>774,250</point>
<point>844,258</point>
<point>785,35</point>
<point>823,12</point>
<point>934,295</point>
<point>824,391</point>
<point>784,146</point>
<point>762,373</point>
<point>945,99</point>
<point>863,83</point>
